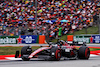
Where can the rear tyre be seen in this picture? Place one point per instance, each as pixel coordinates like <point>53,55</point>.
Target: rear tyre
<point>25,52</point>
<point>58,54</point>
<point>55,54</point>
<point>84,53</point>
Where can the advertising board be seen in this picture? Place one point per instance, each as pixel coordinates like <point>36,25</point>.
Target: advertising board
<point>8,39</point>
<point>29,39</point>
<point>82,38</point>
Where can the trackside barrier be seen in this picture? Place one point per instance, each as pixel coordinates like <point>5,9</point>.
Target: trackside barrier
<point>69,37</point>
<point>41,39</point>
<point>29,39</point>
<point>23,39</point>
<point>91,38</point>
<point>8,39</point>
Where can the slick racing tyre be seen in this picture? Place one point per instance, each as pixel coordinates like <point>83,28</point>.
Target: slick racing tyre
<point>25,52</point>
<point>55,54</point>
<point>58,54</point>
<point>84,52</point>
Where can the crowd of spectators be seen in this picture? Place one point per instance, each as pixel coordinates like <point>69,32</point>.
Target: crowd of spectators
<point>54,17</point>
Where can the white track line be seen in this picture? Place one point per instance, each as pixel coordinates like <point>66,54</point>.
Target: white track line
<point>13,58</point>
<point>93,55</point>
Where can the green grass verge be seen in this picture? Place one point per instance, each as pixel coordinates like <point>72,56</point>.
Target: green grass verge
<point>91,49</point>
<point>12,50</point>
<point>90,30</point>
<point>64,37</point>
<point>94,49</point>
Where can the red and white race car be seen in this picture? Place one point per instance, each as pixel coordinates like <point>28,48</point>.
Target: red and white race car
<point>55,51</point>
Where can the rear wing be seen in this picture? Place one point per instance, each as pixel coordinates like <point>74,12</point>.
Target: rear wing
<point>76,43</point>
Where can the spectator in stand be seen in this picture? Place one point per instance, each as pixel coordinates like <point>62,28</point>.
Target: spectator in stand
<point>16,15</point>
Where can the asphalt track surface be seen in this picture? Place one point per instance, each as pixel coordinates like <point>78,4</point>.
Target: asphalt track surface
<point>92,62</point>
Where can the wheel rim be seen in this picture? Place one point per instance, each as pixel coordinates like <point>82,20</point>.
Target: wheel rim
<point>58,54</point>
<point>87,53</point>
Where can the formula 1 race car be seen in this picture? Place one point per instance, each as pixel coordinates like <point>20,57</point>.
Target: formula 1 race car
<point>55,51</point>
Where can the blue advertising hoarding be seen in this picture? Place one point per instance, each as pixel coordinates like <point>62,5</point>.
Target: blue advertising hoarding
<point>96,38</point>
<point>29,39</point>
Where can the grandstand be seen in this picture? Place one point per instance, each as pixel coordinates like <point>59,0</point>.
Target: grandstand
<point>54,17</point>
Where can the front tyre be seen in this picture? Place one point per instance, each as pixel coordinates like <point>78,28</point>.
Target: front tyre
<point>84,52</point>
<point>55,54</point>
<point>25,58</point>
<point>25,52</point>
